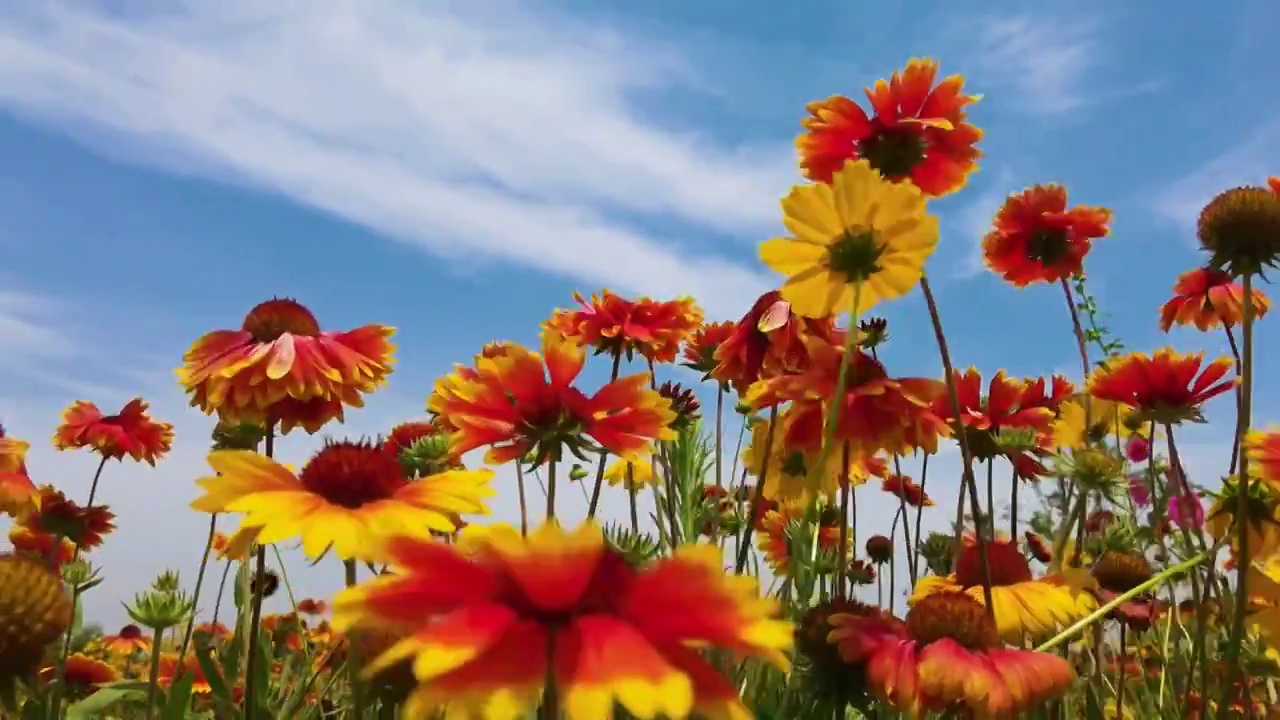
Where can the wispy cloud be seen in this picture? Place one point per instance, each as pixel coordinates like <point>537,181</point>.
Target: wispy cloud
<point>29,335</point>
<point>467,130</point>
<point>1247,163</point>
<point>972,220</point>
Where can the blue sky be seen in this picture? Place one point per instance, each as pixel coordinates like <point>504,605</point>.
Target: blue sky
<point>458,169</point>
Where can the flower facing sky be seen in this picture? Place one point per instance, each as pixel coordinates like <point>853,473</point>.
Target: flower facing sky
<point>347,497</point>
<point>129,432</point>
<point>1037,239</point>
<point>483,621</point>
<point>918,132</point>
<point>280,367</point>
<point>860,228</point>
<point>769,340</point>
<point>522,401</point>
<point>1208,298</point>
<point>612,324</point>
<point>1167,387</point>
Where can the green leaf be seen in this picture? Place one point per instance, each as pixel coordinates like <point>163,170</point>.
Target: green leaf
<point>94,705</point>
<point>33,709</point>
<point>212,673</point>
<point>175,707</point>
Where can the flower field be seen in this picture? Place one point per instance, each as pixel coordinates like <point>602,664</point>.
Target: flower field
<point>737,583</point>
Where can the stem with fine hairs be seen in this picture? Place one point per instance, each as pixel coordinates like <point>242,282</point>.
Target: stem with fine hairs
<point>915,556</point>
<point>1235,439</point>
<point>604,454</point>
<point>758,496</point>
<point>966,455</point>
<point>524,506</point>
<point>1242,509</point>
<point>551,487</point>
<point>255,613</point>
<point>195,597</point>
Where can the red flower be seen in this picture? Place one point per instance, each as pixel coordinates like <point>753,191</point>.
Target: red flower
<point>948,657</point>
<point>1208,298</point>
<point>519,402</point>
<point>61,517</point>
<point>617,326</point>
<point>130,432</point>
<point>1166,387</point>
<point>128,641</point>
<point>769,341</point>
<point>905,488</point>
<point>919,132</point>
<point>1037,239</point>
<point>281,367</point>
<point>700,349</point>
<point>41,545</point>
<point>490,616</point>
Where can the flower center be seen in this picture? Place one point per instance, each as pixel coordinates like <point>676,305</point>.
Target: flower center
<point>1047,246</point>
<point>1121,572</point>
<point>130,632</point>
<point>952,616</point>
<point>351,475</point>
<point>893,152</point>
<point>854,255</point>
<point>273,318</point>
<point>794,465</point>
<point>1007,564</point>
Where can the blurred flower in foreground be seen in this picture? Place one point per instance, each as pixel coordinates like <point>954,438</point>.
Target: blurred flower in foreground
<point>479,619</point>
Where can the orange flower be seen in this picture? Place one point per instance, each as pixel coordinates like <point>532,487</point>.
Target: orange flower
<point>130,432</point>
<point>1263,448</point>
<point>18,494</point>
<point>878,413</point>
<point>919,132</point>
<point>617,326</point>
<point>519,402</point>
<point>82,674</point>
<point>61,517</point>
<point>1208,298</point>
<point>904,487</point>
<point>281,367</point>
<point>1037,239</point>
<point>1166,387</point>
<point>768,341</point>
<point>948,657</point>
<point>485,618</point>
<point>778,528</point>
<point>308,606</point>
<point>41,544</point>
<point>700,349</point>
<point>128,641</point>
<point>171,671</point>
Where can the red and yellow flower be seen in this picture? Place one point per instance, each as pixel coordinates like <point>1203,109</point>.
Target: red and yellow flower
<point>769,341</point>
<point>60,517</point>
<point>776,539</point>
<point>128,641</point>
<point>631,474</point>
<point>1209,298</point>
<point>919,132</point>
<point>1024,606</point>
<point>620,327</point>
<point>1166,387</point>
<point>280,367</point>
<point>520,402</point>
<point>788,477</point>
<point>878,413</point>
<point>947,656</point>
<point>906,489</point>
<point>484,621</point>
<point>18,494</point>
<point>1263,449</point>
<point>129,432</point>
<point>346,497</point>
<point>700,349</point>
<point>171,670</point>
<point>46,546</point>
<point>1036,239</point>
<point>82,674</point>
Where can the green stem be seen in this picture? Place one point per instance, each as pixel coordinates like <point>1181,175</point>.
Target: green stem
<point>1243,559</point>
<point>832,420</point>
<point>156,638</point>
<point>748,524</point>
<point>353,658</point>
<point>195,599</point>
<point>604,454</point>
<point>255,602</point>
<point>1119,600</point>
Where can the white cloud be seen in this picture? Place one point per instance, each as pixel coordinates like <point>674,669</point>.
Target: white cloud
<point>1042,59</point>
<point>469,131</point>
<point>1247,163</point>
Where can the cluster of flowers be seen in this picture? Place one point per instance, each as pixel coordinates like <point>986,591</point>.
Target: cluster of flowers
<point>492,621</point>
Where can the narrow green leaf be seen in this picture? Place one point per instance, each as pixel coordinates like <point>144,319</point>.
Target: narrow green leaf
<point>175,707</point>
<point>94,705</point>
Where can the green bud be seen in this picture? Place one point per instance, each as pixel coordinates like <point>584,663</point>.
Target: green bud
<point>577,472</point>
<point>166,582</point>
<point>80,575</point>
<point>160,610</point>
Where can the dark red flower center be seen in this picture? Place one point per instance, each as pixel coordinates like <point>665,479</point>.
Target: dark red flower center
<point>1007,564</point>
<point>952,616</point>
<point>130,632</point>
<point>894,152</point>
<point>1047,245</point>
<point>855,255</point>
<point>273,318</point>
<point>351,474</point>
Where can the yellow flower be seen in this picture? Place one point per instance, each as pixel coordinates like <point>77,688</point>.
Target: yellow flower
<point>1107,419</point>
<point>788,478</point>
<point>642,474</point>
<point>860,228</point>
<point>349,497</point>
